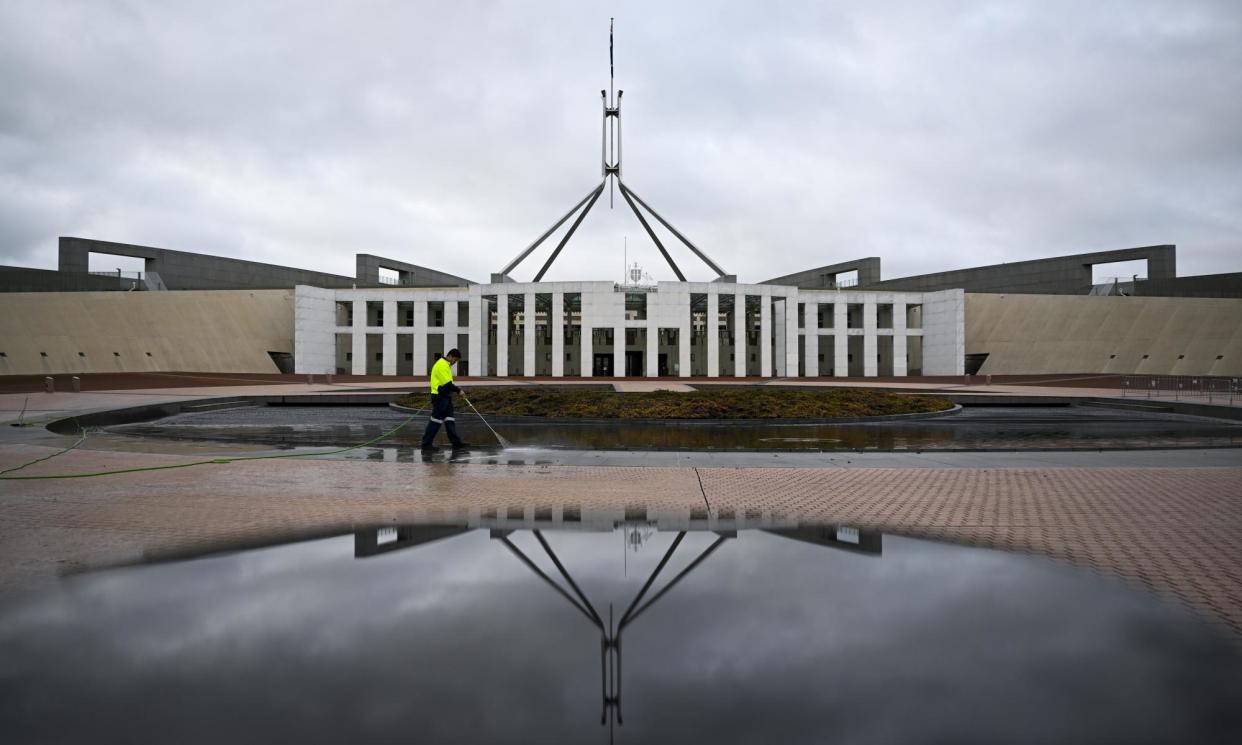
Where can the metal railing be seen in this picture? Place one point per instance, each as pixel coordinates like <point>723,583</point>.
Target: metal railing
<point>1213,389</point>
<point>394,281</point>
<point>119,274</point>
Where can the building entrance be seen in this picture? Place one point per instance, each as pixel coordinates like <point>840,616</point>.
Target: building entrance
<point>634,364</point>
<point>602,366</point>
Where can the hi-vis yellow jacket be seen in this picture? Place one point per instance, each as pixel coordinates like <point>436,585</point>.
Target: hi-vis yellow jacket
<point>442,377</point>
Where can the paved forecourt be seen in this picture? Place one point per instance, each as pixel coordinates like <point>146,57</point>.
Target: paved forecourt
<point>1171,522</point>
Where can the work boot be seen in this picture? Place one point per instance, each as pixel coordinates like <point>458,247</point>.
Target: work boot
<point>430,449</point>
<point>460,446</point>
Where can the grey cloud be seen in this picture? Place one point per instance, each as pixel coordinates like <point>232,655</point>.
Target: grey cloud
<point>934,135</point>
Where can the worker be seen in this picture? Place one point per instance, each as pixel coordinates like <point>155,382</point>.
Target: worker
<point>442,390</point>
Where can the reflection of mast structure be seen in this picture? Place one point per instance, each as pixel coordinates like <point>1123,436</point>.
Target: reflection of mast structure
<point>610,636</point>
<point>370,542</point>
<point>610,168</point>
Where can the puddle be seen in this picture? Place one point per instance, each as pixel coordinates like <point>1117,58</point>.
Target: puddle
<point>492,632</point>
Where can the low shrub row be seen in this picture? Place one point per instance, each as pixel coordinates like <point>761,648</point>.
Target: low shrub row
<point>756,402</point>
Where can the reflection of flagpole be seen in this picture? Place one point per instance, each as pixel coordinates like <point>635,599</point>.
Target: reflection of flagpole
<point>610,636</point>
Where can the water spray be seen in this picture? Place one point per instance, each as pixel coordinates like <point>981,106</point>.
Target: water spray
<point>503,442</point>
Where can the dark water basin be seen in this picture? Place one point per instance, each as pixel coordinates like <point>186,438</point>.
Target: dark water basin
<point>981,428</point>
<point>456,633</point>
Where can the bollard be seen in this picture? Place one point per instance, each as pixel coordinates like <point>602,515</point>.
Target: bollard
<point>988,379</point>
<point>329,377</point>
<point>77,384</point>
<point>49,385</point>
<point>966,379</point>
<point>310,379</point>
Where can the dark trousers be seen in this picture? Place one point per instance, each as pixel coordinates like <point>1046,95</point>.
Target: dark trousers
<point>441,413</point>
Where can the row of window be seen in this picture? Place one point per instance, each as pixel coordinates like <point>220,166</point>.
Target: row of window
<point>634,311</point>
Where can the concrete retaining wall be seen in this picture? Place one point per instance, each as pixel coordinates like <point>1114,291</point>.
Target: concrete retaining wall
<point>1039,334</point>
<point>103,332</point>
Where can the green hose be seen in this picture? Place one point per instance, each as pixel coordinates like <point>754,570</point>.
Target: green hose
<point>213,461</point>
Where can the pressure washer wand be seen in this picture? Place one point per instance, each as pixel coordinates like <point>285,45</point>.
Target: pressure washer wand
<point>503,442</point>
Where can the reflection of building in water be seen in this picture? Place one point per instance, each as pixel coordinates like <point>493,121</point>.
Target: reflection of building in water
<point>374,541</point>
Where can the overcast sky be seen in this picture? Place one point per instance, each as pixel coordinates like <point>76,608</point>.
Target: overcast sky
<point>776,136</point>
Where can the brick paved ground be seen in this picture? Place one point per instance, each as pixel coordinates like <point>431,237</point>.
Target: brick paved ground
<point>1175,531</point>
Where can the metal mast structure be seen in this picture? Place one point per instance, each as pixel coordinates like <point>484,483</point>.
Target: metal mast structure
<point>610,169</point>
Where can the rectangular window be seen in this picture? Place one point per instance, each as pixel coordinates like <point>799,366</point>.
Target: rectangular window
<point>344,313</point>
<point>826,315</point>
<point>854,315</point>
<point>635,306</point>
<point>914,316</point>
<point>884,316</point>
<point>435,314</point>
<point>375,313</point>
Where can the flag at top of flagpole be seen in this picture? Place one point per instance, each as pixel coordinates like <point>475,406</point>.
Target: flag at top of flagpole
<point>610,73</point>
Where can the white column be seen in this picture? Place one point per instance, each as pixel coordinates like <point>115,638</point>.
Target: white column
<point>586,358</point>
<point>359,349</point>
<point>528,335</point>
<point>420,337</point>
<point>450,329</point>
<point>502,335</point>
<point>810,344</point>
<point>870,367</point>
<point>840,339</point>
<point>765,335</point>
<point>739,334</point>
<point>390,337</point>
<point>684,340</point>
<point>792,350</point>
<point>558,334</point>
<point>780,339</point>
<point>713,332</point>
<point>944,332</point>
<point>899,338</point>
<point>478,336</point>
<point>652,356</point>
<point>618,350</point>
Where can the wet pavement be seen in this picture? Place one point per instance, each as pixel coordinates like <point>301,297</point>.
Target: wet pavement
<point>555,627</point>
<point>1165,522</point>
<point>973,428</point>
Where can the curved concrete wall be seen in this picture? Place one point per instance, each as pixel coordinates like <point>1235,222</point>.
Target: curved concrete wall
<point>1036,334</point>
<point>89,332</point>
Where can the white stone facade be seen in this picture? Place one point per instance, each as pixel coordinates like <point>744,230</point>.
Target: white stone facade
<point>586,329</point>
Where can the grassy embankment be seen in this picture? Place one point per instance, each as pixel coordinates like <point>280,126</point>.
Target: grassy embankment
<point>711,403</point>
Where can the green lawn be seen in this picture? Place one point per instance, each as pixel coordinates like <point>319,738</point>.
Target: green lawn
<point>711,403</point>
